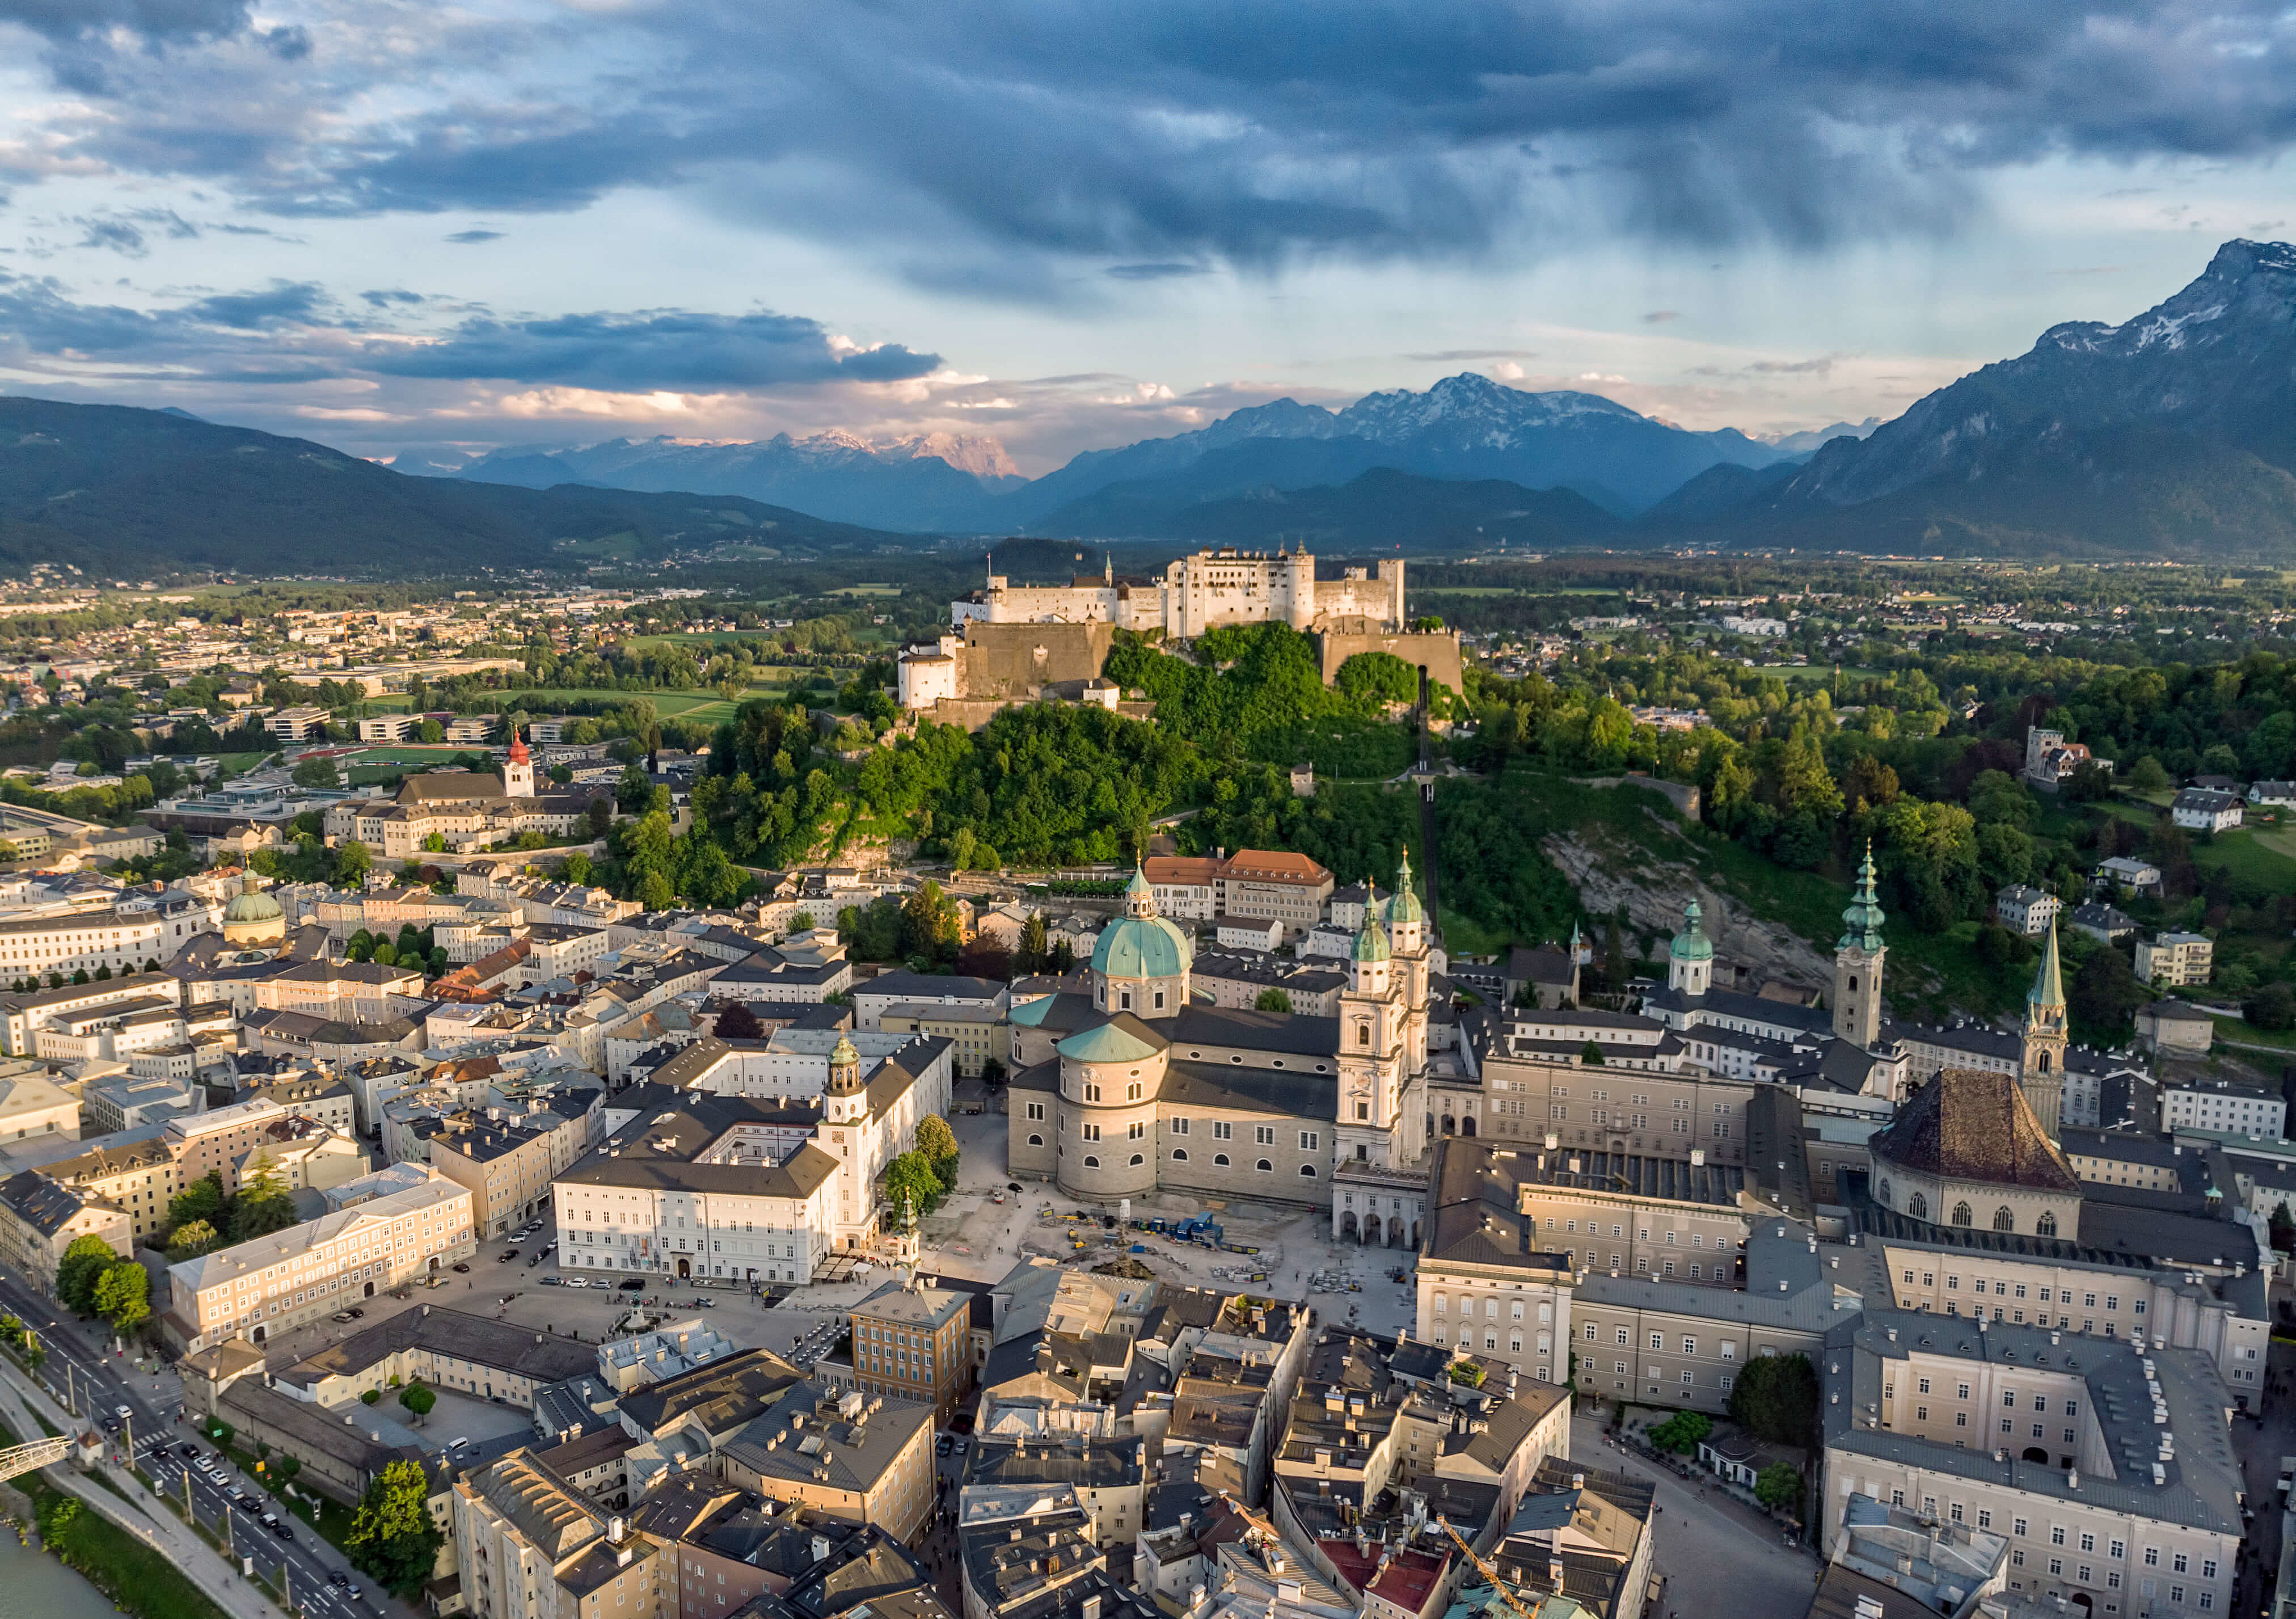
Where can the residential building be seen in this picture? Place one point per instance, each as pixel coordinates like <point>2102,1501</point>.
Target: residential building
<point>2024,908</point>
<point>1583,1532</point>
<point>282,1281</point>
<point>2176,960</point>
<point>2176,1028</point>
<point>2102,1463</point>
<point>909,1341</point>
<point>1276,885</point>
<point>2205,809</point>
<point>1486,1281</point>
<point>507,1167</point>
<point>2105,924</point>
<point>40,1218</point>
<point>924,992</point>
<point>530,1546</point>
<point>2139,877</point>
<point>865,1459</point>
<point>33,1104</point>
<point>301,723</point>
<point>218,1142</point>
<point>2226,1106</point>
<point>137,1176</point>
<point>977,1034</point>
<point>2273,794</point>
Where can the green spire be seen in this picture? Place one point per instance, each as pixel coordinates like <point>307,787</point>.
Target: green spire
<point>1864,917</point>
<point>2049,983</point>
<point>1691,944</point>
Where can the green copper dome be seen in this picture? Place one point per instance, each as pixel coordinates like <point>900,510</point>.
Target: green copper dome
<point>1691,944</point>
<point>1142,947</point>
<point>1108,1042</point>
<point>1405,905</point>
<point>252,907</point>
<point>1371,944</point>
<point>1862,922</point>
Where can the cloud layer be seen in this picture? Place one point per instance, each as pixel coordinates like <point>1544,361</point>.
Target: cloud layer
<point>1163,136</point>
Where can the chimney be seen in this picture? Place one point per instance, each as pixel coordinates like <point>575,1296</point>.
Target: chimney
<point>1090,1607</point>
<point>820,1548</point>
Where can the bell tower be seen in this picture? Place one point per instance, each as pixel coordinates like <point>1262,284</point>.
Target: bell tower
<point>1689,956</point>
<point>518,771</point>
<point>845,1101</point>
<point>1857,957</point>
<point>2041,1075</point>
<point>1370,1052</point>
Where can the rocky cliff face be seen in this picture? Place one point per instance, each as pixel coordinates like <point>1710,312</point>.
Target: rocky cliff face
<point>1653,891</point>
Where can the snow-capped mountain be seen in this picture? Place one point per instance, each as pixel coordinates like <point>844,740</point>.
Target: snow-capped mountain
<point>2213,369</point>
<point>923,481</point>
<point>1464,427</point>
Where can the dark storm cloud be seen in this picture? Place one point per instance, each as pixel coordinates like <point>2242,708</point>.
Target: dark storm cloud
<point>959,139</point>
<point>152,20</point>
<point>654,349</point>
<point>282,301</point>
<point>467,238</point>
<point>290,331</point>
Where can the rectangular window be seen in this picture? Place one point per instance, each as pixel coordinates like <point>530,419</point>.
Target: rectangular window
<point>1309,1140</point>
<point>1222,1130</point>
<point>1179,1127</point>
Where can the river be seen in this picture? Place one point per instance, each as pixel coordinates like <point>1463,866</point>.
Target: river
<point>33,1585</point>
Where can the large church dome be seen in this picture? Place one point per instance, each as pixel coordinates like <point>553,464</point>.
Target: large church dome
<point>1140,943</point>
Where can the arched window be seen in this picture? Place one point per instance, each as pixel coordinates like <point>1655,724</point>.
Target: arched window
<point>2047,1226</point>
<point>1362,1034</point>
<point>1308,1170</point>
<point>1918,1206</point>
<point>1961,1214</point>
<point>1137,1161</point>
<point>1092,1163</point>
<point>1036,1141</point>
<point>2004,1219</point>
<point>1264,1167</point>
<point>1219,1160</point>
<point>1179,1155</point>
<point>1853,984</point>
<point>2044,1062</point>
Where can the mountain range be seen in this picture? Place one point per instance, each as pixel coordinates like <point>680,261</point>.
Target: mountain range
<point>116,490</point>
<point>925,483</point>
<point>1464,428</point>
<point>2173,432</point>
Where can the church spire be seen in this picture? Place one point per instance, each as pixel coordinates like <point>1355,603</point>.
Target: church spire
<point>1864,918</point>
<point>2048,988</point>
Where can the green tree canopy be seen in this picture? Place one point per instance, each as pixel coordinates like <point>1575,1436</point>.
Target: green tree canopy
<point>1272,999</point>
<point>122,1295</point>
<point>937,1143</point>
<point>317,771</point>
<point>263,1205</point>
<point>1681,1432</point>
<point>192,1238</point>
<point>417,1398</point>
<point>1775,1399</point>
<point>201,1200</point>
<point>1778,1487</point>
<point>392,1536</point>
<point>87,1258</point>
<point>910,1177</point>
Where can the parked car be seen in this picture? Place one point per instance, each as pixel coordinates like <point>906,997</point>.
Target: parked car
<point>461,1268</point>
<point>633,1284</point>
<point>355,1313</point>
<point>122,1412</point>
<point>340,1315</point>
<point>283,1531</point>
<point>547,1281</point>
<point>505,1256</point>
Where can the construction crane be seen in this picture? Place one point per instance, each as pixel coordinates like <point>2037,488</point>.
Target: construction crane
<point>1484,1569</point>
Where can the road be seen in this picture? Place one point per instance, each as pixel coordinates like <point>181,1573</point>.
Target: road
<point>101,1383</point>
<point>1707,1543</point>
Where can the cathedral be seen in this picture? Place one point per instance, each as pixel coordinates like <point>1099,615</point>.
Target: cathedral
<point>1139,1088</point>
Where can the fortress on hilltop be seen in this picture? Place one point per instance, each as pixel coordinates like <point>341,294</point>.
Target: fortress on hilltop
<point>1027,643</point>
